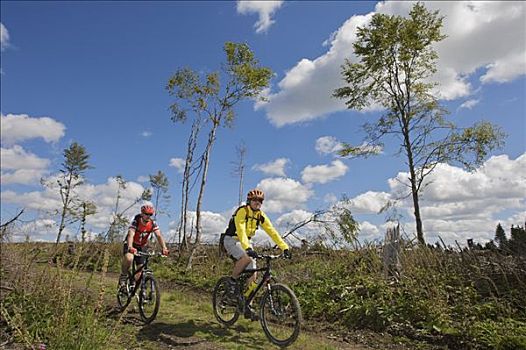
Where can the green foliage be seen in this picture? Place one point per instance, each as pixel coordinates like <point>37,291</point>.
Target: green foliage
<point>75,160</point>
<point>396,60</point>
<point>48,306</point>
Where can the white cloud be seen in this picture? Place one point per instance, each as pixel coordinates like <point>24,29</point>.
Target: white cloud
<point>178,163</point>
<point>324,173</point>
<point>457,204</point>
<point>22,167</point>
<point>17,128</point>
<point>276,167</point>
<point>212,225</point>
<point>328,145</point>
<point>469,104</point>
<point>480,30</point>
<point>369,202</point>
<point>265,10</point>
<point>102,195</point>
<point>4,37</point>
<point>283,194</point>
<point>146,133</point>
<point>143,179</point>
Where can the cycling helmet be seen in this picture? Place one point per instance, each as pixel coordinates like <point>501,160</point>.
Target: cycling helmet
<point>147,209</point>
<point>255,194</point>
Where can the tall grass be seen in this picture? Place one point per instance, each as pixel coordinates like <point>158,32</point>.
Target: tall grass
<point>460,299</point>
<point>46,304</point>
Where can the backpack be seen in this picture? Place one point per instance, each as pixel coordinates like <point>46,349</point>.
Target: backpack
<point>231,229</point>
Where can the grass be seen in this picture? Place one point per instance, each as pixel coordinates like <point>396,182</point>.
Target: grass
<point>441,299</point>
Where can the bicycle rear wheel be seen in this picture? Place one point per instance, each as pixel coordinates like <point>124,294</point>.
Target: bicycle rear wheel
<point>149,299</point>
<point>280,315</point>
<point>224,305</point>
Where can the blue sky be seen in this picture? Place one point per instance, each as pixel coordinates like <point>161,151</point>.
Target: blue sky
<point>95,73</point>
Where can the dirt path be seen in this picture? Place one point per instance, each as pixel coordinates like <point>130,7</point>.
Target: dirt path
<point>186,321</point>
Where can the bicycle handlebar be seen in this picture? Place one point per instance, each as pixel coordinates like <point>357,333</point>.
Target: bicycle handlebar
<point>270,257</point>
<point>149,254</point>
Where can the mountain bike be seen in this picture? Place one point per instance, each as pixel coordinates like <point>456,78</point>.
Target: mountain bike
<point>145,290</point>
<point>279,308</point>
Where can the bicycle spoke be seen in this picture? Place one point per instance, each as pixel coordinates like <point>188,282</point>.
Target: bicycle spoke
<point>149,299</point>
<point>225,306</point>
<point>280,315</point>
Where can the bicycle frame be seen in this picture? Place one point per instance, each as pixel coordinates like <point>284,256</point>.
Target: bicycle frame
<point>143,270</point>
<point>267,276</point>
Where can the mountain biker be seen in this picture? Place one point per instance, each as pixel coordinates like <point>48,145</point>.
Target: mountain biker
<point>241,228</point>
<point>139,231</point>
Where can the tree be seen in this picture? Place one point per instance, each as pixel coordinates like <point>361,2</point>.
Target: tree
<point>500,237</point>
<point>74,166</point>
<point>119,220</point>
<point>239,168</point>
<point>159,183</point>
<point>214,101</point>
<point>517,242</point>
<point>397,61</point>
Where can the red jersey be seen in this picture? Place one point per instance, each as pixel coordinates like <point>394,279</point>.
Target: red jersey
<point>142,231</point>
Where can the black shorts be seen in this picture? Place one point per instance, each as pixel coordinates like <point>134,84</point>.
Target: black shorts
<point>139,260</point>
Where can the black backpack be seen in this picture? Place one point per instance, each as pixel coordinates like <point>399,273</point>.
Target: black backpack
<point>231,229</point>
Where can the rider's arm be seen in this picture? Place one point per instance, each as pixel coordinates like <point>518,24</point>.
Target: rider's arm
<point>160,239</point>
<point>129,238</point>
<point>271,231</point>
<point>241,230</point>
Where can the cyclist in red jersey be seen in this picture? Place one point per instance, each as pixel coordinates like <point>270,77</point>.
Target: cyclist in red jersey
<point>137,240</point>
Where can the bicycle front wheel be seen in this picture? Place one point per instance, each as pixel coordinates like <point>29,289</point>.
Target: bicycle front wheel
<point>224,305</point>
<point>123,297</point>
<point>280,315</point>
<point>149,299</point>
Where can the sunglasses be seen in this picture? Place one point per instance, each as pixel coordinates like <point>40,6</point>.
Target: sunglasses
<point>258,200</point>
<point>148,215</point>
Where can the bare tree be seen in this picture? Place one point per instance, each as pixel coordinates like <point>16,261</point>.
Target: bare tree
<point>239,168</point>
<point>244,78</point>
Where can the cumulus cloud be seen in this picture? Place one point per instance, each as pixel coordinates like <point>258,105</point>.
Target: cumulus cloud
<point>265,10</point>
<point>178,163</point>
<point>283,194</point>
<point>102,195</point>
<point>477,29</point>
<point>212,225</point>
<point>276,167</point>
<point>328,145</point>
<point>20,166</point>
<point>323,173</point>
<point>21,127</point>
<point>369,202</point>
<point>4,37</point>
<point>457,204</point>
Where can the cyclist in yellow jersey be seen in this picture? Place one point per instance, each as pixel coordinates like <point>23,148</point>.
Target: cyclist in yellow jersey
<point>242,227</point>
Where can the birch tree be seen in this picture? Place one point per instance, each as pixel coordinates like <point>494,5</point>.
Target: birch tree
<point>395,70</point>
<point>214,97</point>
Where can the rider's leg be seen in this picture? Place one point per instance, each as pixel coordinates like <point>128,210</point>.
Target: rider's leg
<point>126,263</point>
<point>240,265</point>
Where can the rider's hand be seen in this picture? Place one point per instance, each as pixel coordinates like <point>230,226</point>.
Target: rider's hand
<point>252,253</point>
<point>132,250</point>
<point>166,252</point>
<point>287,254</point>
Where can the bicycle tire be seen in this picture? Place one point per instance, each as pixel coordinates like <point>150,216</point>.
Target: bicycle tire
<point>280,315</point>
<point>123,297</point>
<point>149,296</point>
<point>222,303</point>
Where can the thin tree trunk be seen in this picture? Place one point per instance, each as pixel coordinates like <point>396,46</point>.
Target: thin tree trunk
<point>414,189</point>
<point>64,210</point>
<point>211,138</point>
